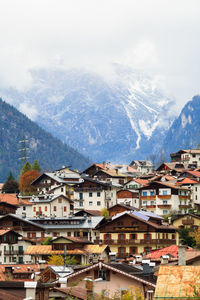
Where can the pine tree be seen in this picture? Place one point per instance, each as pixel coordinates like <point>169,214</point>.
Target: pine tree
<point>10,187</point>
<point>10,177</point>
<point>27,167</point>
<point>36,166</point>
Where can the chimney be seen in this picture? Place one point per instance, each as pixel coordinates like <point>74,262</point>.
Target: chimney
<point>148,267</point>
<point>138,258</point>
<point>182,255</point>
<point>30,287</point>
<point>112,256</point>
<point>164,259</point>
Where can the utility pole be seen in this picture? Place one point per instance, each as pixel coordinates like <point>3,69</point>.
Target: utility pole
<point>23,150</point>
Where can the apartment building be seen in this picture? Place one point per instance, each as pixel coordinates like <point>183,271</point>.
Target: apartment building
<point>164,197</point>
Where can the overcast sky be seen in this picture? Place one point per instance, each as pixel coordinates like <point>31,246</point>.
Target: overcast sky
<point>156,36</point>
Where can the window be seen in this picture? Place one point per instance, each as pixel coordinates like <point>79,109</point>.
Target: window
<point>90,203</point>
<point>196,197</point>
<point>62,190</point>
<point>121,236</point>
<point>195,189</point>
<point>103,274</point>
<point>81,196</point>
<point>193,155</point>
<point>54,208</point>
<point>98,203</point>
<point>4,259</point>
<point>59,200</point>
<point>147,249</point>
<point>144,194</point>
<point>152,193</point>
<point>40,208</point>
<point>90,194</point>
<point>121,250</point>
<point>69,234</point>
<point>144,202</point>
<point>164,201</point>
<point>165,212</point>
<point>107,236</point>
<point>164,192</point>
<point>98,194</point>
<point>34,208</point>
<point>24,207</point>
<point>133,236</point>
<point>65,208</point>
<point>133,250</point>
<point>152,202</point>
<point>81,203</point>
<point>45,208</point>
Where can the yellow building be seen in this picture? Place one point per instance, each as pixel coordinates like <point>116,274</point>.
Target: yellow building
<point>187,221</point>
<point>134,232</point>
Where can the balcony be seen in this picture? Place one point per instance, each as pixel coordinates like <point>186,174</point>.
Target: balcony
<point>123,255</point>
<point>148,197</point>
<point>184,197</point>
<point>13,252</point>
<point>168,206</point>
<point>86,189</point>
<point>188,222</point>
<point>150,206</point>
<point>164,196</point>
<point>185,206</point>
<point>137,242</point>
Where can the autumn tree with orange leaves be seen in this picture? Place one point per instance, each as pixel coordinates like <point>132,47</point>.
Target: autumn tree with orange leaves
<point>25,182</point>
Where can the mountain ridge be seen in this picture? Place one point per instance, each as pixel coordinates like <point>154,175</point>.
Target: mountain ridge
<point>50,152</point>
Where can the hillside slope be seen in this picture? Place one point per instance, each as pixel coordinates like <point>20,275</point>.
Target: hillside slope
<point>50,152</point>
<point>185,130</point>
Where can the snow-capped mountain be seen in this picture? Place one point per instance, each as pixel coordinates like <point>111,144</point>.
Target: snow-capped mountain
<point>117,119</point>
<point>185,130</point>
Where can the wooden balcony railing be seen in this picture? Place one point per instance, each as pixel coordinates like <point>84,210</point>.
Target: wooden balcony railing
<point>188,222</point>
<point>164,206</point>
<point>185,206</point>
<point>148,197</point>
<point>164,196</point>
<point>13,252</point>
<point>184,197</point>
<point>136,242</point>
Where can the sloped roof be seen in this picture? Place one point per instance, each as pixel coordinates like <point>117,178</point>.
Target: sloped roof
<point>113,267</point>
<point>194,173</point>
<point>47,250</point>
<point>187,181</point>
<point>9,198</point>
<point>97,249</point>
<point>172,251</point>
<point>177,282</point>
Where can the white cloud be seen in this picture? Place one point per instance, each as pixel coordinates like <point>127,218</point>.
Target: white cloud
<point>29,110</point>
<point>159,37</point>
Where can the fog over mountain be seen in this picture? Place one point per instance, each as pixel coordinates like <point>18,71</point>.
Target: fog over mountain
<point>116,119</point>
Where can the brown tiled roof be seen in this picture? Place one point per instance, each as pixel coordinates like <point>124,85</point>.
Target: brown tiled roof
<point>9,198</point>
<point>141,181</point>
<point>47,250</point>
<point>78,292</point>
<point>93,212</point>
<point>22,268</point>
<point>3,231</point>
<point>187,181</point>
<point>177,282</point>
